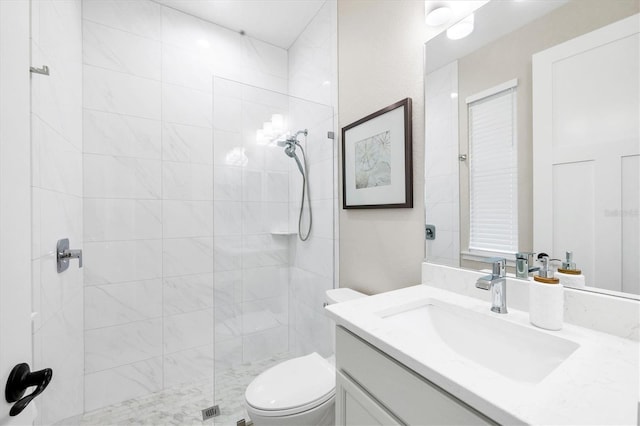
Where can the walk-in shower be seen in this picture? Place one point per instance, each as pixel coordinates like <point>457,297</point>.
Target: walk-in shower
<point>290,145</point>
<point>151,161</point>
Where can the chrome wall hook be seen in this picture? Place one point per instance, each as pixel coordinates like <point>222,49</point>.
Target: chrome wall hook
<point>64,253</point>
<point>44,70</point>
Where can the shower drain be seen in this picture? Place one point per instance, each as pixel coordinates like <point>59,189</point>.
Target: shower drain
<point>210,412</point>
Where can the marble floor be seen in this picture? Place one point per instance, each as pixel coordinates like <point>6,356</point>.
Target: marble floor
<point>182,405</point>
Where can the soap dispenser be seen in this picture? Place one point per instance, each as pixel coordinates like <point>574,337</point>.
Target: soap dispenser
<point>546,298</point>
<point>569,275</point>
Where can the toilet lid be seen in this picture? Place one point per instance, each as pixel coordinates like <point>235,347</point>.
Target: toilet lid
<point>297,383</point>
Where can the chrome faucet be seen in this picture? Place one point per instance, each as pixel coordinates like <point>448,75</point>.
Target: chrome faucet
<point>497,283</point>
<point>523,261</point>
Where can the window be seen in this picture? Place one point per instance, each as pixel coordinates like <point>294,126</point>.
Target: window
<point>493,170</point>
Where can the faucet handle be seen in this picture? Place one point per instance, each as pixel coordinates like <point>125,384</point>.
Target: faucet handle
<point>499,267</point>
<point>528,255</point>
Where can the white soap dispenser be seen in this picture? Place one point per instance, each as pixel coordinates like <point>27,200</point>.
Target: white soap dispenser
<point>569,275</point>
<point>546,298</point>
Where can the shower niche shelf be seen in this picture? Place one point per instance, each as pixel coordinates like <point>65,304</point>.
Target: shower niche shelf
<point>283,233</point>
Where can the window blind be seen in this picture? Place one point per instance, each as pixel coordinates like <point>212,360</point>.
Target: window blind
<point>493,177</point>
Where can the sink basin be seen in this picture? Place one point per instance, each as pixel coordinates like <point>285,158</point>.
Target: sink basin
<point>512,350</point>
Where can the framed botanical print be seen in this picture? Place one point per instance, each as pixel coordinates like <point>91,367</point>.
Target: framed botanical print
<point>377,160</point>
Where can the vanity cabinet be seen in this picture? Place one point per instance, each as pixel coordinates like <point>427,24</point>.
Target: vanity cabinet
<point>374,389</point>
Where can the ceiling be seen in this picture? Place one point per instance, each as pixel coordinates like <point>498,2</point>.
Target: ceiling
<point>278,22</point>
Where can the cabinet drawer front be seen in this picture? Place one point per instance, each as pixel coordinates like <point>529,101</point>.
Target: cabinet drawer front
<point>409,396</point>
<point>356,408</point>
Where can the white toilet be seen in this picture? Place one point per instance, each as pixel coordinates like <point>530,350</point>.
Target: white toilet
<point>300,391</point>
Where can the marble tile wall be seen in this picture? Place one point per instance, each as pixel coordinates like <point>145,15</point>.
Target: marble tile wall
<point>441,165</point>
<point>313,77</point>
<point>57,204</point>
<point>163,225</point>
<point>123,200</point>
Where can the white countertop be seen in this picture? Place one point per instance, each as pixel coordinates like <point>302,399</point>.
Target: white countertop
<point>597,384</point>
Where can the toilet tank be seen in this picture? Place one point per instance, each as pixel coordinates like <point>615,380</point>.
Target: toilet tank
<point>337,295</point>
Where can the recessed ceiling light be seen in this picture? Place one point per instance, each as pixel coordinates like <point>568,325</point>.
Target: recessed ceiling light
<point>461,29</point>
<point>439,16</point>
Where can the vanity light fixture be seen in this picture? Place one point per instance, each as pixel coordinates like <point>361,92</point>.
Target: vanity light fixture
<point>438,16</point>
<point>461,29</point>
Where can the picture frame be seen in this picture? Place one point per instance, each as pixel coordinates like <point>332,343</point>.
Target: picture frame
<point>377,160</point>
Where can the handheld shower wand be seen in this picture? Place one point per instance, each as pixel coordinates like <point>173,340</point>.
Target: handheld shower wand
<point>290,145</point>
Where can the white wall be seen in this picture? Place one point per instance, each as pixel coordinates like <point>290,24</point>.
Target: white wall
<point>57,204</point>
<point>313,77</point>
<point>155,285</point>
<point>380,53</point>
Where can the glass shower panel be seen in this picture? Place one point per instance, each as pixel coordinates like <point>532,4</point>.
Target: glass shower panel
<point>268,284</point>
<point>148,214</point>
<point>312,262</point>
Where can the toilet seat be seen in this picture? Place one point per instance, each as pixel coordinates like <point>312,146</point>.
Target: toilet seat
<point>277,391</point>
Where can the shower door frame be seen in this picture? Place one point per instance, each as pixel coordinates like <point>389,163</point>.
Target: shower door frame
<point>15,197</point>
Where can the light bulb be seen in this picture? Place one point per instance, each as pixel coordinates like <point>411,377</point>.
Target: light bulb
<point>461,29</point>
<point>438,16</point>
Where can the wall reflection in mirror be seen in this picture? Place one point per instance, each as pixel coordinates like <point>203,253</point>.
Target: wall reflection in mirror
<point>532,138</point>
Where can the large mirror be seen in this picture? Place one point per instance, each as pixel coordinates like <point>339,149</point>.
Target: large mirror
<point>532,138</point>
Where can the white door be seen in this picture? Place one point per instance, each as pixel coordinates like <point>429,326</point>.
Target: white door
<point>586,153</point>
<point>15,199</point>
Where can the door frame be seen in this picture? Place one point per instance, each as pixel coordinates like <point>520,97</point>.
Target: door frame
<point>15,197</point>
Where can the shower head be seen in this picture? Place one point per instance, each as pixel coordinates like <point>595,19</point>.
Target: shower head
<point>290,144</point>
<point>290,150</point>
<point>291,140</point>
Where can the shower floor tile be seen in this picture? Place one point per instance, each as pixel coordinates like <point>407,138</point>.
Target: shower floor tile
<point>182,405</point>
